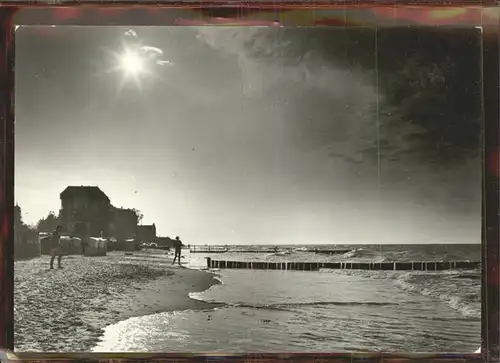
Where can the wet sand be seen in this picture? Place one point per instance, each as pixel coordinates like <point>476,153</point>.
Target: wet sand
<point>65,310</point>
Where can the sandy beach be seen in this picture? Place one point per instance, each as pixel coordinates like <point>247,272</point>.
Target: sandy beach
<point>66,309</point>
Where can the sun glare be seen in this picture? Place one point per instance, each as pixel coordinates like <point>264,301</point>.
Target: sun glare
<point>135,64</point>
<point>131,62</point>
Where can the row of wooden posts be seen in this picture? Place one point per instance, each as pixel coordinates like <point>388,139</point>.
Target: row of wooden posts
<point>315,266</point>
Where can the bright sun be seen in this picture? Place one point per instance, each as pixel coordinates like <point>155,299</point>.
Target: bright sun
<point>131,62</point>
<point>132,65</point>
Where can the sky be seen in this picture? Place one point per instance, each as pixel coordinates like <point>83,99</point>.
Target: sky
<point>219,139</point>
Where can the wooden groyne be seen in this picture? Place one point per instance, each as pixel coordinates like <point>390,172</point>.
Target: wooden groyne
<point>208,250</point>
<point>316,266</point>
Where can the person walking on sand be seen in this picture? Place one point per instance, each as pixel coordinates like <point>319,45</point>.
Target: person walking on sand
<point>55,247</point>
<point>177,248</point>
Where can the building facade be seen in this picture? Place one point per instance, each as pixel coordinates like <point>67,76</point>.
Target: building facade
<point>85,211</point>
<point>165,242</point>
<point>124,223</point>
<point>146,233</point>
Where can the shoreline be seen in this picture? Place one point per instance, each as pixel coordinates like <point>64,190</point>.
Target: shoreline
<point>68,310</point>
<point>162,295</point>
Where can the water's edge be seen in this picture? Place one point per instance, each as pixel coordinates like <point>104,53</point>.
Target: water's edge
<point>209,306</point>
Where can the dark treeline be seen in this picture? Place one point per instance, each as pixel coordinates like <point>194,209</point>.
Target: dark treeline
<point>25,237</point>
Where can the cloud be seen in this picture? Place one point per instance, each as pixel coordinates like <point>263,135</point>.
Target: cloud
<point>265,61</point>
<point>163,62</point>
<point>131,33</point>
<point>151,52</point>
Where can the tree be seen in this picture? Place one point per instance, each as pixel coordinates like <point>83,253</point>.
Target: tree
<point>138,214</point>
<point>18,219</point>
<point>19,226</point>
<point>23,237</point>
<point>49,223</point>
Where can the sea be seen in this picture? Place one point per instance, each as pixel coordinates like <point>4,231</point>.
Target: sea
<point>320,311</point>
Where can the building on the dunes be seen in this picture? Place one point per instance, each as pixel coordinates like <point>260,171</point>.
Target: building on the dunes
<point>85,211</point>
<point>146,233</point>
<point>124,223</point>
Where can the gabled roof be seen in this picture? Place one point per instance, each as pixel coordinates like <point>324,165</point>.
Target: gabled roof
<point>147,226</point>
<point>88,191</point>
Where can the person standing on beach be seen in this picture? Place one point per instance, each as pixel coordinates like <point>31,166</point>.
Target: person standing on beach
<point>55,247</point>
<point>177,248</point>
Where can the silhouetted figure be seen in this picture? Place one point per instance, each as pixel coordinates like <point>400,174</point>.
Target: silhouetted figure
<point>55,247</point>
<point>178,249</point>
<point>83,245</point>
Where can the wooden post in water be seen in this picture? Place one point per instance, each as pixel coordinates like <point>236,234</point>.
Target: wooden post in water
<point>315,266</point>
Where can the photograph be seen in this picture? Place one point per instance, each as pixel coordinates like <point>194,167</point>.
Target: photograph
<point>242,189</point>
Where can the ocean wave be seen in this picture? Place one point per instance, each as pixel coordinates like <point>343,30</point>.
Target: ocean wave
<point>218,278</point>
<point>454,288</point>
<point>313,303</point>
<point>363,255</point>
<point>199,296</point>
<point>281,253</point>
<point>289,306</point>
<point>471,276</point>
<point>301,249</point>
<point>342,253</point>
<point>466,303</point>
<point>351,253</point>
